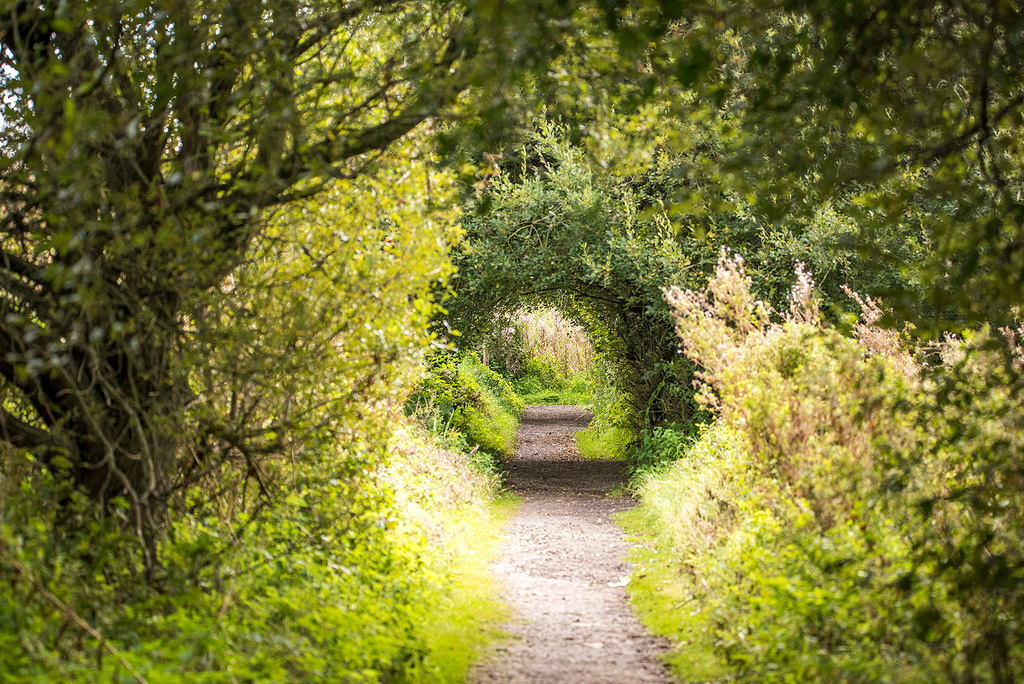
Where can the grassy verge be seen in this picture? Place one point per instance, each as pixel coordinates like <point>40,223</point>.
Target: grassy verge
<point>469,406</point>
<point>682,532</point>
<point>453,507</point>
<point>467,624</point>
<point>391,585</point>
<point>490,418</point>
<point>659,597</point>
<point>604,442</point>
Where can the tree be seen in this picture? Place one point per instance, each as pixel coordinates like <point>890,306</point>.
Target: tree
<point>146,142</point>
<point>913,111</point>
<point>549,228</point>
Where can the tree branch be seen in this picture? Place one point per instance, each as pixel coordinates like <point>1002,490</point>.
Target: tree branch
<point>324,26</point>
<point>20,434</point>
<point>963,140</point>
<point>22,267</point>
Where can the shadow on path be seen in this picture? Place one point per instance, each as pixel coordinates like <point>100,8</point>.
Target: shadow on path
<point>562,568</point>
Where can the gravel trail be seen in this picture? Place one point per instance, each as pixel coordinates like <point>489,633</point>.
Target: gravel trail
<point>562,569</point>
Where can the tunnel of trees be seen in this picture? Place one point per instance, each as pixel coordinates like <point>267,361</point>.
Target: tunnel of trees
<point>550,223</point>
<point>231,231</point>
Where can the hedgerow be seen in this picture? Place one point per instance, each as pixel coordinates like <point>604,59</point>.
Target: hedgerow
<point>851,515</point>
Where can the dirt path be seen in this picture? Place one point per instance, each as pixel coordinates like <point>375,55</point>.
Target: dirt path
<point>561,566</point>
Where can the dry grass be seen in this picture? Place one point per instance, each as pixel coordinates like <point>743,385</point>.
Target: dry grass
<point>544,334</point>
<point>550,336</point>
<point>879,341</point>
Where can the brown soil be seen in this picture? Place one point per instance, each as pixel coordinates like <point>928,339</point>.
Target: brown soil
<point>562,568</point>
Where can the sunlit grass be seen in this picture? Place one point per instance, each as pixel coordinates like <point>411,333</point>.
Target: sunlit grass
<point>607,443</point>
<point>442,496</point>
<point>536,388</point>
<point>663,600</point>
<point>461,631</point>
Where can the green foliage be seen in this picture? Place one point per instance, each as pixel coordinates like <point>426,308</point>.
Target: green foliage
<point>282,554</point>
<point>659,447</point>
<point>611,431</point>
<point>686,511</point>
<point>479,406</point>
<point>548,357</point>
<point>493,383</point>
<point>154,160</point>
<point>441,392</point>
<point>833,525</point>
<point>562,234</point>
<point>222,232</point>
<point>861,108</point>
<point>556,226</point>
<point>604,442</point>
<point>327,587</point>
<point>464,626</point>
<point>541,382</point>
<point>132,188</point>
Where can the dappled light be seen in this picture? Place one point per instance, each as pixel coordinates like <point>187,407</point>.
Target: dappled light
<point>340,340</point>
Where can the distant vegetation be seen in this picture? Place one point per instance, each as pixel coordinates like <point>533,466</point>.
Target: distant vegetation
<point>548,357</point>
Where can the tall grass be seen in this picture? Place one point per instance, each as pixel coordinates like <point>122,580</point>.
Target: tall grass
<point>549,357</point>
<point>550,337</point>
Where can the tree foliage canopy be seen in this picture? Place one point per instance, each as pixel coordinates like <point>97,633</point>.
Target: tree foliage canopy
<point>911,110</point>
<point>146,143</point>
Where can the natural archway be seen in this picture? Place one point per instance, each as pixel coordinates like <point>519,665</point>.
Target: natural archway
<point>561,236</point>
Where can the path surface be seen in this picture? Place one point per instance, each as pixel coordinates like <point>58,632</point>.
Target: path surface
<point>562,568</point>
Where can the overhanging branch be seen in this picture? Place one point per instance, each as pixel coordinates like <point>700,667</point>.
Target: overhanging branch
<point>20,434</point>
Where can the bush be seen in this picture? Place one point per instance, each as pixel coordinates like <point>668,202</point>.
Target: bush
<point>604,442</point>
<point>848,517</point>
<point>467,402</point>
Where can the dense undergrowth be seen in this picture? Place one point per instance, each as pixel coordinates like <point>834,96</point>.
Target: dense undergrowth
<point>394,588</point>
<point>313,532</point>
<point>474,406</point>
<point>854,514</point>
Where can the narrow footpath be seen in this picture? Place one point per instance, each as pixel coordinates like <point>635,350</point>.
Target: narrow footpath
<point>561,566</point>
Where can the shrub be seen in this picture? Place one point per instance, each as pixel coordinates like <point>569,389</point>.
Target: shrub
<point>465,401</point>
<point>861,524</point>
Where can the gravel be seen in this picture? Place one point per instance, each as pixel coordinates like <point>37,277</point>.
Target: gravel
<point>562,569</point>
